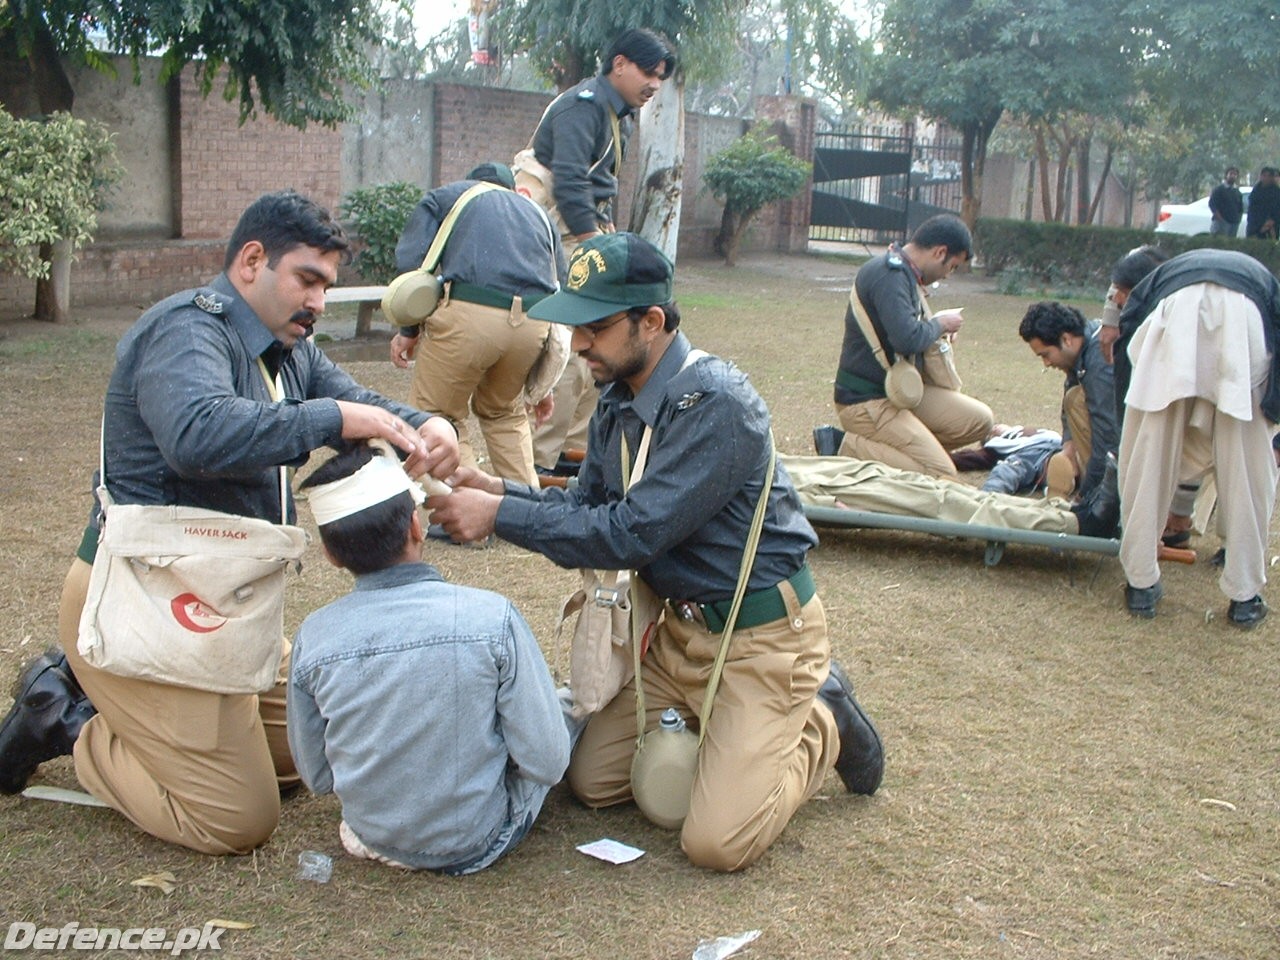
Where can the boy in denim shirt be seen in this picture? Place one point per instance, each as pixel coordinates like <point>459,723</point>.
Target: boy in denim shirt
<point>426,707</point>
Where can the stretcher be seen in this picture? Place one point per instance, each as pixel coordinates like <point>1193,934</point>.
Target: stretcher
<point>996,537</point>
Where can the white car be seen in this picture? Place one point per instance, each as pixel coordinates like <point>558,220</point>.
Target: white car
<point>1193,218</point>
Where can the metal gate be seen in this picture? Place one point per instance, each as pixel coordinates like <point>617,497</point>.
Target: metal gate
<point>875,185</point>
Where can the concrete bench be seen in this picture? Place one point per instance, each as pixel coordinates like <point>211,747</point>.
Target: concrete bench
<point>369,299</point>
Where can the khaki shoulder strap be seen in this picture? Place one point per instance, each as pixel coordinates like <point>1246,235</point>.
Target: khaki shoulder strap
<point>436,250</point>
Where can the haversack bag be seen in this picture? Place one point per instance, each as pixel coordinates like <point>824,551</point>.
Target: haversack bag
<point>939,362</point>
<point>600,661</point>
<point>616,611</point>
<point>188,596</point>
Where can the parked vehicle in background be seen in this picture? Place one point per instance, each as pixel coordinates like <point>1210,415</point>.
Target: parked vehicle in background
<point>1192,219</point>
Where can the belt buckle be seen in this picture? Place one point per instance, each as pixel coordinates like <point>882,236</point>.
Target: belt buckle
<point>607,596</point>
<point>688,611</point>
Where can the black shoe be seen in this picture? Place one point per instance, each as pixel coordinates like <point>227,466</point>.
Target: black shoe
<point>1247,614</point>
<point>1141,601</point>
<point>49,708</point>
<point>827,440</point>
<point>861,760</point>
<point>1219,558</point>
<point>1098,514</point>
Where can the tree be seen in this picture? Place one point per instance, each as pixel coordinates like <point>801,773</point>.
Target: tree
<point>291,58</point>
<point>52,178</point>
<point>967,63</point>
<point>746,176</point>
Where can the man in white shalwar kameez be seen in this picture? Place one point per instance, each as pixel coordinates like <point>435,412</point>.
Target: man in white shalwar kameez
<point>1196,373</point>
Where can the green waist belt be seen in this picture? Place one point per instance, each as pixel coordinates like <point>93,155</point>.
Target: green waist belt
<point>851,381</point>
<point>762,606</point>
<point>490,298</point>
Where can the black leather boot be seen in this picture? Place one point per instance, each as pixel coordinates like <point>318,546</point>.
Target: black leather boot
<point>49,708</point>
<point>861,760</point>
<point>827,440</point>
<point>1099,513</point>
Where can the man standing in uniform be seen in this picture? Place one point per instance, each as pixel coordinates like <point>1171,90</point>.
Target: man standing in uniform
<point>1061,337</point>
<point>891,289</point>
<point>214,390</point>
<point>1196,366</point>
<point>1226,204</point>
<point>501,258</point>
<point>581,140</point>
<point>784,714</point>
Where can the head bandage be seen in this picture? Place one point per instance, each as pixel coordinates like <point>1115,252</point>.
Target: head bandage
<point>380,479</point>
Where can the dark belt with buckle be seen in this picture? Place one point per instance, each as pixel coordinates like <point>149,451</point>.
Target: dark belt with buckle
<point>759,607</point>
<point>485,297</point>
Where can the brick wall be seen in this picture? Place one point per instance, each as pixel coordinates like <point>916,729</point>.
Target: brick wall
<point>223,166</point>
<point>428,134</point>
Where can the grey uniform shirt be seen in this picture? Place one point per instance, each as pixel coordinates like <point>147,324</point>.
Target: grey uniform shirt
<point>189,419</point>
<point>501,241</point>
<point>889,291</point>
<point>683,524</point>
<point>575,140</point>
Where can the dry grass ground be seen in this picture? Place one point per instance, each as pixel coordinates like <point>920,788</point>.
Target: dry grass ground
<point>1049,760</point>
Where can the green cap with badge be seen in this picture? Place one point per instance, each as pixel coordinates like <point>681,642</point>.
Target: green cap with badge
<point>609,273</point>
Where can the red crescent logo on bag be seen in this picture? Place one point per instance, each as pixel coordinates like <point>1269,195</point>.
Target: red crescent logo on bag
<point>190,611</point>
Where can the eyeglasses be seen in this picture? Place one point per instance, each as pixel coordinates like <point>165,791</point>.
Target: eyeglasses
<point>593,330</point>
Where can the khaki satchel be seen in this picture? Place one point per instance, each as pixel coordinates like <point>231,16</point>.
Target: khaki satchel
<point>412,297</point>
<point>613,606</point>
<point>600,661</point>
<point>188,596</point>
<point>939,360</point>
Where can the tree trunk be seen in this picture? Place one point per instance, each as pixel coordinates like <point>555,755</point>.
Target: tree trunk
<point>1102,183</point>
<point>1084,185</point>
<point>1042,154</point>
<point>53,294</point>
<point>733,227</point>
<point>655,210</point>
<point>973,165</point>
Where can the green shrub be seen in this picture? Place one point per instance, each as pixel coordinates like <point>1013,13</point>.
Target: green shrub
<point>377,215</point>
<point>54,177</point>
<point>1059,255</point>
<point>745,176</point>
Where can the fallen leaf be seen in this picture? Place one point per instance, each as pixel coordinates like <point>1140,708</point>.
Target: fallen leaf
<point>164,881</point>
<point>1212,802</point>
<point>229,924</point>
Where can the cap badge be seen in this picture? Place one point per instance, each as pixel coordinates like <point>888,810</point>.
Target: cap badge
<point>580,269</point>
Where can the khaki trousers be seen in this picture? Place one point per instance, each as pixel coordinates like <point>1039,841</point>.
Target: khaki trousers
<point>769,743</point>
<point>916,439</point>
<point>1153,460</point>
<point>476,359</point>
<point>194,768</point>
<point>1075,410</point>
<point>575,396</point>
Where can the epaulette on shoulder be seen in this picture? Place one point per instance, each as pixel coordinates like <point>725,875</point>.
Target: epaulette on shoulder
<point>210,301</point>
<point>586,94</point>
<point>896,261</point>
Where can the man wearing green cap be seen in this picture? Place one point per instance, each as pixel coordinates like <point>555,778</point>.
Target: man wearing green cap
<point>784,714</point>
